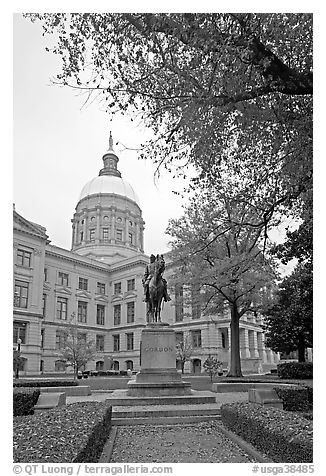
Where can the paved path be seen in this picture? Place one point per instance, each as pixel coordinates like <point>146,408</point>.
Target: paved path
<point>220,397</point>
<point>192,443</point>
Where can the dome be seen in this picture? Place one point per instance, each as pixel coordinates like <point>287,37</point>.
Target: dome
<point>106,184</point>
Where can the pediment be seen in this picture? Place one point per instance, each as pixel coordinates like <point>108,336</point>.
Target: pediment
<point>101,298</point>
<point>46,287</point>
<point>83,294</point>
<point>63,290</point>
<point>21,224</point>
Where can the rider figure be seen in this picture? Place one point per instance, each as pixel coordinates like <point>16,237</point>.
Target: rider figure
<point>149,272</point>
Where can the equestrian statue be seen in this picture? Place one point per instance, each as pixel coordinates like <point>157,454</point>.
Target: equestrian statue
<point>155,288</point>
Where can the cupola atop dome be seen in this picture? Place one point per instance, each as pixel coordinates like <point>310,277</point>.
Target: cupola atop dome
<point>107,224</point>
<point>110,160</point>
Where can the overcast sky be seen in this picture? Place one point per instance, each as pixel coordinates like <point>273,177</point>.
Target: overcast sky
<point>59,144</point>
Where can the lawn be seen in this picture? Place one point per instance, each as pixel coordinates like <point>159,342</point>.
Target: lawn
<point>201,382</point>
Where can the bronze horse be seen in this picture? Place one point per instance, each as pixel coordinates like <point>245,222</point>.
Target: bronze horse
<point>155,292</point>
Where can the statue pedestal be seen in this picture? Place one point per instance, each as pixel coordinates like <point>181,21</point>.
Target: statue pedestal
<point>158,375</point>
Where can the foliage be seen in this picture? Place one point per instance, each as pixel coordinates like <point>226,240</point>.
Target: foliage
<point>78,350</point>
<point>202,82</point>
<point>289,321</point>
<point>24,400</point>
<point>45,383</point>
<point>74,433</point>
<point>281,435</point>
<point>184,351</point>
<point>212,366</point>
<point>295,370</point>
<point>295,399</point>
<point>218,251</point>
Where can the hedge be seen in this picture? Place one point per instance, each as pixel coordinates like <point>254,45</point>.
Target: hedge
<point>283,436</point>
<point>295,370</point>
<point>46,383</point>
<point>298,399</point>
<point>73,433</point>
<point>24,400</point>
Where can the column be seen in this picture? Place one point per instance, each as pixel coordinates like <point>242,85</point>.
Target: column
<point>261,347</point>
<point>244,343</point>
<point>98,222</point>
<point>253,344</point>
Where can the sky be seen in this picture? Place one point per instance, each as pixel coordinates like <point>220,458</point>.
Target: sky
<point>59,144</point>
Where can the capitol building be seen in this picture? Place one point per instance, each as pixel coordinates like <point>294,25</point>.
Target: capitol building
<point>97,285</point>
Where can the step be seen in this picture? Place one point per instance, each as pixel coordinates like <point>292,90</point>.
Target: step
<point>120,398</point>
<point>162,420</point>
<point>165,411</point>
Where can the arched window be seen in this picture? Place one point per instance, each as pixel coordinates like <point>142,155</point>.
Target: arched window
<point>99,365</point>
<point>60,366</point>
<point>129,365</point>
<point>115,365</point>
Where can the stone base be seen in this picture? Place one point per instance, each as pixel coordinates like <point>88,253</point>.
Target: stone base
<point>158,375</point>
<point>151,389</point>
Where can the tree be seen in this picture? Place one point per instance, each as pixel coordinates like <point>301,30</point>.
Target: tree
<point>218,248</point>
<point>288,323</point>
<point>202,82</point>
<point>212,366</point>
<point>184,351</point>
<point>77,350</point>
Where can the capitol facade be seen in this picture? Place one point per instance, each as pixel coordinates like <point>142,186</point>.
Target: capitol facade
<point>97,285</point>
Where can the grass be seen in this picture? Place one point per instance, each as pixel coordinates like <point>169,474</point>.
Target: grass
<point>201,382</point>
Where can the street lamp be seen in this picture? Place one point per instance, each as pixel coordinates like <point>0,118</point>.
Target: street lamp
<point>19,341</point>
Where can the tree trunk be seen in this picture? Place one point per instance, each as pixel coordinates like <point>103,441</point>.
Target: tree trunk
<point>301,349</point>
<point>235,363</point>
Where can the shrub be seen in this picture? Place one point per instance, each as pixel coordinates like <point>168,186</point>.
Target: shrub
<point>46,383</point>
<point>295,370</point>
<point>74,433</point>
<point>24,400</point>
<point>295,399</point>
<point>283,436</point>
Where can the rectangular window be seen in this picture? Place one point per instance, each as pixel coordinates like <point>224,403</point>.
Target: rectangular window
<point>178,338</point>
<point>130,341</point>
<point>196,338</point>
<point>81,338</point>
<point>116,343</point>
<point>101,288</point>
<point>24,258</point>
<point>130,312</point>
<point>178,302</point>
<point>21,294</point>
<point>60,340</point>
<point>117,288</point>
<point>83,284</point>
<point>130,285</point>
<point>105,234</point>
<point>195,302</point>
<point>82,312</point>
<point>92,234</point>
<point>44,305</point>
<point>130,238</point>
<point>117,315</point>
<point>19,332</point>
<point>63,279</point>
<point>42,338</point>
<point>62,308</point>
<point>45,274</point>
<point>119,235</point>
<point>100,343</point>
<point>100,314</point>
<point>81,236</point>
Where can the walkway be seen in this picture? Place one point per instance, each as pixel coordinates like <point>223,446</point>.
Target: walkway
<point>193,443</point>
